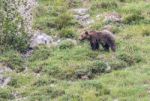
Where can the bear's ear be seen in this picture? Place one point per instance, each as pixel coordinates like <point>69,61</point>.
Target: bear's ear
<point>86,32</point>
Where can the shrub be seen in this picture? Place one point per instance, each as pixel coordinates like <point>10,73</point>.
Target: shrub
<point>130,59</point>
<point>63,20</point>
<point>146,32</point>
<point>98,67</point>
<point>133,18</point>
<point>105,5</point>
<point>10,38</point>
<point>12,34</point>
<point>66,44</point>
<point>67,33</point>
<point>41,53</point>
<point>73,3</point>
<point>118,65</point>
<point>108,4</point>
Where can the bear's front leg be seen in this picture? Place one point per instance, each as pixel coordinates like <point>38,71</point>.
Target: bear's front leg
<point>94,45</point>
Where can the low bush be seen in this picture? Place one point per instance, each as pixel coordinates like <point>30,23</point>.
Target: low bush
<point>67,33</point>
<point>133,18</point>
<point>94,68</point>
<point>64,19</point>
<point>115,65</point>
<point>12,32</point>
<point>130,59</point>
<point>108,5</point>
<point>145,32</point>
<point>104,5</point>
<point>74,3</point>
<point>41,53</point>
<point>66,44</point>
<point>11,38</point>
<point>98,67</point>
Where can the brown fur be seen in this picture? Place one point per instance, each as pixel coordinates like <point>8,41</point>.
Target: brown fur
<point>104,38</point>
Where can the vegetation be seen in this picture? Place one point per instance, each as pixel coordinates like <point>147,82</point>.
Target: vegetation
<point>12,36</point>
<point>75,72</point>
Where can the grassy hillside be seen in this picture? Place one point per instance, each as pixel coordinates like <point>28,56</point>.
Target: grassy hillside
<point>75,72</point>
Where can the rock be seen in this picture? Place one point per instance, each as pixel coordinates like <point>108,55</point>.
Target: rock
<point>40,38</point>
<point>99,16</point>
<point>84,20</point>
<point>26,11</point>
<point>108,69</point>
<point>112,17</point>
<point>4,80</point>
<point>83,16</point>
<point>80,11</point>
<point>85,77</point>
<point>18,96</point>
<point>115,100</point>
<point>108,27</point>
<point>28,53</point>
<point>4,68</point>
<point>78,17</point>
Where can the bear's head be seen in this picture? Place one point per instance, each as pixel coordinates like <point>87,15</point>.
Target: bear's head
<point>84,36</point>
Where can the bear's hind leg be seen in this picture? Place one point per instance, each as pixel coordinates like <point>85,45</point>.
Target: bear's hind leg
<point>106,47</point>
<point>92,46</point>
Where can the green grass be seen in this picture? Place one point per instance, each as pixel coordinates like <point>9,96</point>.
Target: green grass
<point>57,74</point>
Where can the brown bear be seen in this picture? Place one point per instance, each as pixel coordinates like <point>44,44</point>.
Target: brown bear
<point>104,37</point>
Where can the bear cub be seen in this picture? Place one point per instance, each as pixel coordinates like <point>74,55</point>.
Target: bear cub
<point>104,38</point>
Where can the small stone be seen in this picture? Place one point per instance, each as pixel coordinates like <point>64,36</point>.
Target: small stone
<point>40,38</point>
<point>108,27</point>
<point>80,11</point>
<point>113,17</point>
<point>85,77</point>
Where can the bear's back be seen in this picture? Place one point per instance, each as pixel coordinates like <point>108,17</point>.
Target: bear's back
<point>106,33</point>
